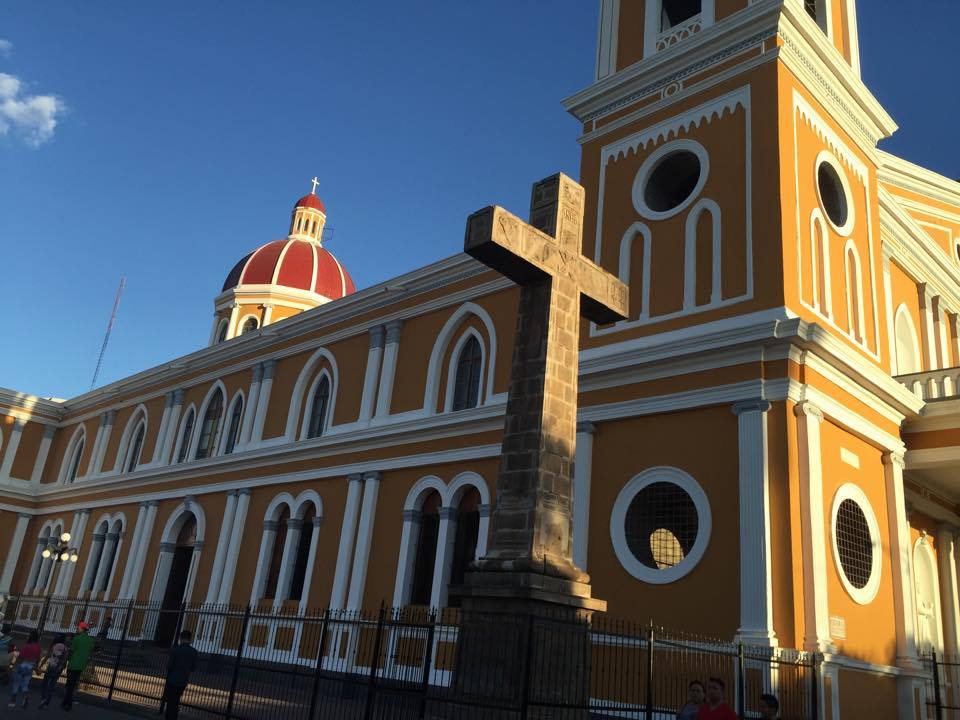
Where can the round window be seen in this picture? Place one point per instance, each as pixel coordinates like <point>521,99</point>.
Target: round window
<point>660,525</point>
<point>670,179</point>
<point>856,543</point>
<point>834,194</point>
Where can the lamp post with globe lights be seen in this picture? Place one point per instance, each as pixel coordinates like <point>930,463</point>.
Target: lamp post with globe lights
<point>59,551</point>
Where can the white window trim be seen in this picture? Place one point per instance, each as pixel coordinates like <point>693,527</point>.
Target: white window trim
<point>454,364</point>
<point>914,337</point>
<point>80,434</point>
<point>651,164</point>
<point>858,279</point>
<point>308,405</point>
<point>221,324</point>
<point>198,422</point>
<point>826,157</point>
<point>243,321</point>
<point>866,594</point>
<point>626,259</point>
<point>704,205</point>
<point>922,545</point>
<point>180,439</point>
<point>817,220</point>
<point>651,23</point>
<point>295,411</point>
<point>618,534</point>
<point>238,396</point>
<point>126,440</point>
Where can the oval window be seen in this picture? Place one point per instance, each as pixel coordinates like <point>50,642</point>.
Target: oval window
<point>856,544</point>
<point>672,181</point>
<point>834,195</point>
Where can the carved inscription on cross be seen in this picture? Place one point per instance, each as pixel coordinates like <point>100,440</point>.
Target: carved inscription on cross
<point>531,522</point>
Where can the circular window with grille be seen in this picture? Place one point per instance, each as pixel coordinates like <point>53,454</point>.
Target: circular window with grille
<point>670,179</point>
<point>660,525</point>
<point>856,543</point>
<point>833,191</point>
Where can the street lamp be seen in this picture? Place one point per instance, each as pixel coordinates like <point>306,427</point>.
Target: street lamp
<point>60,551</point>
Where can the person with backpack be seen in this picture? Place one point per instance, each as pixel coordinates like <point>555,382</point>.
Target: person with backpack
<point>56,657</point>
<point>26,661</point>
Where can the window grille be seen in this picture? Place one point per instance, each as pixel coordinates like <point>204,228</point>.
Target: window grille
<point>661,525</point>
<point>854,544</point>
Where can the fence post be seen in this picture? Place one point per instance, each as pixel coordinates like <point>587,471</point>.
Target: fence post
<point>649,700</point>
<point>527,670</point>
<point>239,658</point>
<point>937,699</point>
<point>123,639</point>
<point>815,686</point>
<point>427,663</point>
<point>319,668</point>
<point>371,687</point>
<point>741,683</point>
<point>43,616</point>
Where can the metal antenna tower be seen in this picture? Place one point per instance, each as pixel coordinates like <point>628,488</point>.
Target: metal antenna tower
<point>106,337</point>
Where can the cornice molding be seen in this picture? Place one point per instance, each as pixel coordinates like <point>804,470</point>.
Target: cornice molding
<point>909,176</point>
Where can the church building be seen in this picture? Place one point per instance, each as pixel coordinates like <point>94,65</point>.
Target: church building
<point>767,447</point>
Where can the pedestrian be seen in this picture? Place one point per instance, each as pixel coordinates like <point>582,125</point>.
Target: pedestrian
<point>769,707</point>
<point>56,656</point>
<point>80,649</point>
<point>27,660</point>
<point>7,647</point>
<point>716,708</point>
<point>691,708</point>
<point>181,662</point>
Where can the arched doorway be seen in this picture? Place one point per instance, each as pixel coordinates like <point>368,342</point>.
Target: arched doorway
<point>176,560</point>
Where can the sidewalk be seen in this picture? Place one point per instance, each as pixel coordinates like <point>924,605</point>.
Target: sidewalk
<point>85,707</point>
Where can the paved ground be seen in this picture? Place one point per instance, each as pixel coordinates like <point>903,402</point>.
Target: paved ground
<point>84,708</point>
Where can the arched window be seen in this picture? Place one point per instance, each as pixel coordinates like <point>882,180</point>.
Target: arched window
<point>318,408</point>
<point>233,431</point>
<point>74,463</point>
<point>854,294</point>
<point>133,455</point>
<point>927,602</point>
<point>249,325</point>
<point>422,587</point>
<point>466,389</point>
<point>302,557</point>
<point>820,250</point>
<point>907,347</point>
<point>465,544</point>
<point>222,330</point>
<point>186,435</point>
<point>210,427</point>
<point>276,557</point>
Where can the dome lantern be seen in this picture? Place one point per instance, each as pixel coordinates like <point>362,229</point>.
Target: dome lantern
<point>309,217</point>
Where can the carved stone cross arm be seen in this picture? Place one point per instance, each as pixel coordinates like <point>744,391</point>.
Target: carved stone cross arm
<point>526,255</point>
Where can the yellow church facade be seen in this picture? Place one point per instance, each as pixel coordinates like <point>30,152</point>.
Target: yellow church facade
<point>766,446</point>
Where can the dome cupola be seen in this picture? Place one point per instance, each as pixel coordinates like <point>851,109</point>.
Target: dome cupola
<point>309,217</point>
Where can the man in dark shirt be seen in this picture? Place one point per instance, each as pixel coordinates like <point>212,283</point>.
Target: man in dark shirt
<point>181,662</point>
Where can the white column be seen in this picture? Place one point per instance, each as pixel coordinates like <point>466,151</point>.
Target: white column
<point>372,373</point>
<point>308,571</point>
<point>940,324</point>
<point>41,460</point>
<point>389,368</point>
<point>163,570</point>
<point>756,586</point>
<point>348,534</point>
<point>33,577</point>
<point>13,552</point>
<point>223,541</point>
<point>267,541</point>
<point>192,574</point>
<point>926,308</point>
<point>446,539</point>
<point>111,570</point>
<point>162,430</point>
<point>94,559</point>
<point>232,325</point>
<point>267,314</point>
<point>106,562</point>
<point>813,531</point>
<point>263,401</point>
<point>888,307</point>
<point>170,440</point>
<point>250,410</point>
<point>954,337</point>
<point>947,558</point>
<point>105,434</point>
<point>287,560</point>
<point>900,551</point>
<point>361,556</point>
<point>409,539</point>
<point>10,451</point>
<point>233,549</point>
<point>142,548</point>
<point>131,551</point>
<point>582,474</point>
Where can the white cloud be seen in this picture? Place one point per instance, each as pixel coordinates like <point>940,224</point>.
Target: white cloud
<point>6,47</point>
<point>32,117</point>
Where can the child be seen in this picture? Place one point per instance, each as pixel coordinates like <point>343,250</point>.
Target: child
<point>26,662</point>
<point>55,657</point>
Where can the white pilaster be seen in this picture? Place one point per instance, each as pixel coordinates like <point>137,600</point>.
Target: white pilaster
<point>926,308</point>
<point>94,559</point>
<point>233,549</point>
<point>250,410</point>
<point>314,530</point>
<point>947,559</point>
<point>267,541</point>
<point>105,433</point>
<point>372,373</point>
<point>388,370</point>
<point>900,551</point>
<point>446,539</point>
<point>813,532</point>
<point>163,429</point>
<point>13,552</point>
<point>33,577</point>
<point>169,441</point>
<point>97,441</point>
<point>348,534</point>
<point>142,548</point>
<point>287,560</point>
<point>163,570</point>
<point>112,566</point>
<point>361,556</point>
<point>232,325</point>
<point>756,584</point>
<point>42,454</point>
<point>131,552</point>
<point>263,401</point>
<point>888,307</point>
<point>10,451</point>
<point>267,314</point>
<point>106,562</point>
<point>939,321</point>
<point>220,556</point>
<point>483,530</point>
<point>582,474</point>
<point>409,538</point>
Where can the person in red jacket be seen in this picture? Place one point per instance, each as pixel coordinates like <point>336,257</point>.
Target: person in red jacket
<point>716,708</point>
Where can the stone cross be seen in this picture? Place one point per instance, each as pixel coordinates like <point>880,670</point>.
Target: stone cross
<point>315,183</point>
<point>532,519</point>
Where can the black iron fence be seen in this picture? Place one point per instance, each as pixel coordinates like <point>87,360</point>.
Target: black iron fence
<point>268,662</point>
<point>943,685</point>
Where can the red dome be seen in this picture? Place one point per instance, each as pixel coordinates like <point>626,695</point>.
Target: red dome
<point>294,264</point>
<point>311,201</point>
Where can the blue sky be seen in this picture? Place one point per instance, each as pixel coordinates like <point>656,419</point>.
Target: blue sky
<point>185,131</point>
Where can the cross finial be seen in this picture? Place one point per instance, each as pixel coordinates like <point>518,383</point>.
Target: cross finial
<point>315,183</point>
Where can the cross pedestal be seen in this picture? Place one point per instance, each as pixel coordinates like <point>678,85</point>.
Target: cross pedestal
<point>528,572</point>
